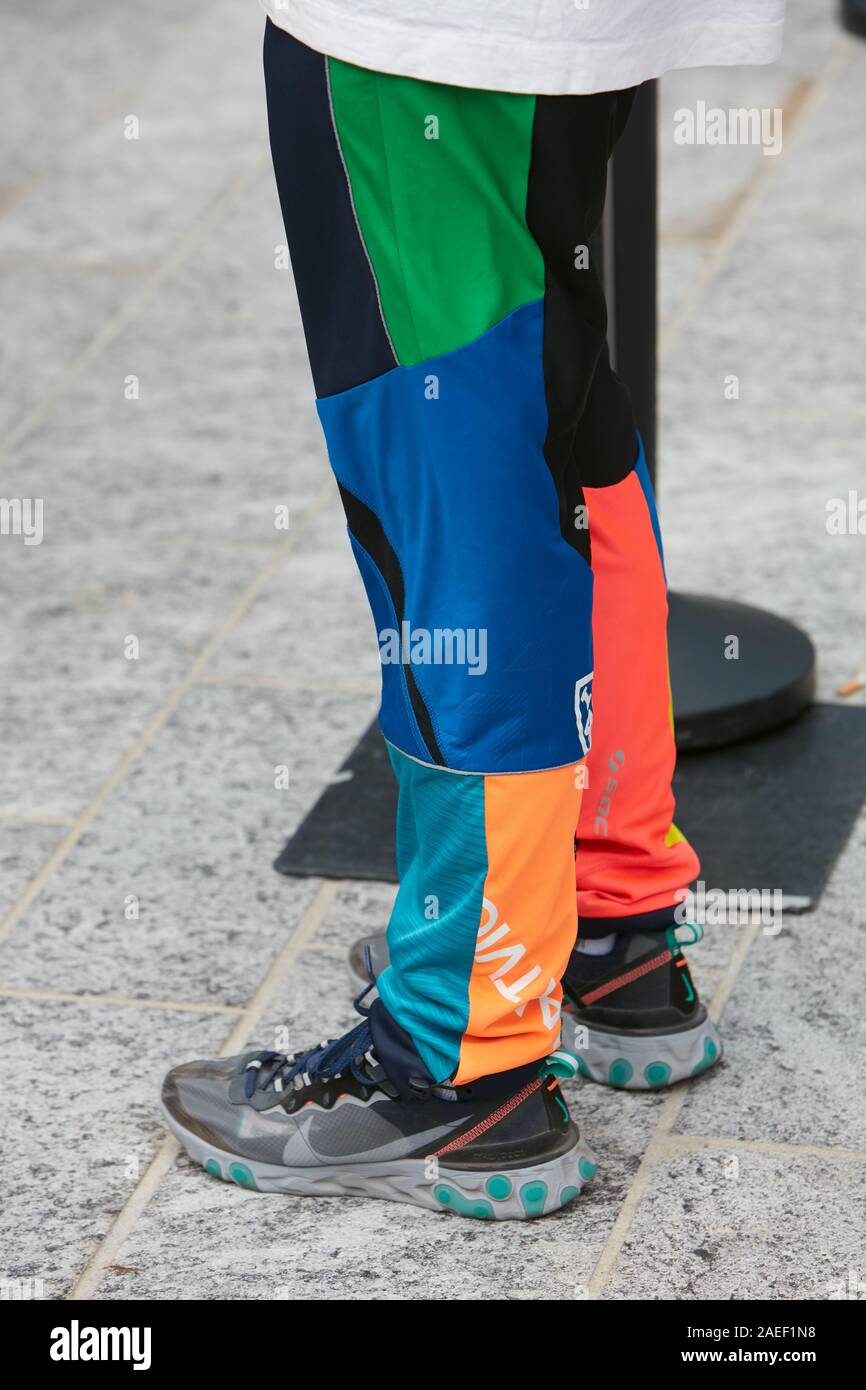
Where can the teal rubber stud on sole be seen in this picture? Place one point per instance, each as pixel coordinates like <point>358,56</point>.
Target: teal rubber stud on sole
<point>620,1072</point>
<point>568,1194</point>
<point>241,1175</point>
<point>712,1051</point>
<point>455,1201</point>
<point>499,1187</point>
<point>532,1198</point>
<point>657,1074</point>
<point>213,1168</point>
<point>586,1168</point>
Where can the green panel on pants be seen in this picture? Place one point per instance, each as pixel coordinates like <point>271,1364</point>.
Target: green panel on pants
<point>444,169</point>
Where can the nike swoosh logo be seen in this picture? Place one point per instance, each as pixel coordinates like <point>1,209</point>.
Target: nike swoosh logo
<point>393,1148</point>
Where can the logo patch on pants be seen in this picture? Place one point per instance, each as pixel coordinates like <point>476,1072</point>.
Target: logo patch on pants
<point>583,710</point>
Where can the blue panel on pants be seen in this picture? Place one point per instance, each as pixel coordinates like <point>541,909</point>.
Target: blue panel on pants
<point>396,712</point>
<point>497,606</point>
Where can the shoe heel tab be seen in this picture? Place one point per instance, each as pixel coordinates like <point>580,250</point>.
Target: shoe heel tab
<point>560,1064</point>
<point>694,933</point>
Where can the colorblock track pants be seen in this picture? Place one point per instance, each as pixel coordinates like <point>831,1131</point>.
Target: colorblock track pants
<point>501,516</point>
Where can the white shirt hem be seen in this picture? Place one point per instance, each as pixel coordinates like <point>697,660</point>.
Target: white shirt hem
<point>497,62</point>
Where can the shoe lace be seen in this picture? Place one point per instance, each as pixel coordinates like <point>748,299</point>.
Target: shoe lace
<point>368,965</point>
<point>352,1051</point>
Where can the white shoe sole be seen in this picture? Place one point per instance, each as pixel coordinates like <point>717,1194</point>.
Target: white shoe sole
<point>635,1063</point>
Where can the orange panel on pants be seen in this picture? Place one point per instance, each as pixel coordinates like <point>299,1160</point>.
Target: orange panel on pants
<point>529,923</point>
<point>631,859</point>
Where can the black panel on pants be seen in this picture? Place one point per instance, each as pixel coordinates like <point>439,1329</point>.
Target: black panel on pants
<point>368,531</point>
<point>591,438</point>
<point>346,338</point>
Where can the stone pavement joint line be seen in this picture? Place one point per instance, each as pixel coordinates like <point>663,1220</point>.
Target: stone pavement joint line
<point>117,104</point>
<point>58,996</point>
<point>62,822</point>
<point>194,236</point>
<point>116,776</point>
<point>297,687</point>
<point>88,1280</point>
<point>724,243</point>
<point>695,1143</point>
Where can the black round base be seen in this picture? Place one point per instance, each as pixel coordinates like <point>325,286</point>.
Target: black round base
<point>853,13</point>
<point>736,671</point>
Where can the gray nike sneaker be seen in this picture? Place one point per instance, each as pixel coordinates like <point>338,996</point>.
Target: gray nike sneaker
<point>336,1121</point>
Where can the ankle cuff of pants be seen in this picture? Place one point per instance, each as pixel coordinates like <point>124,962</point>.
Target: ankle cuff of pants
<point>485,918</point>
<point>397,1053</point>
<point>591,928</point>
<point>402,1064</point>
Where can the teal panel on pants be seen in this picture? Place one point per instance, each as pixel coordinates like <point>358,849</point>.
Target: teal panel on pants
<point>442,866</point>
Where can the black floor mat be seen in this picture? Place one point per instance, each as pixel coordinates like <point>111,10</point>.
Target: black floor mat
<point>773,813</point>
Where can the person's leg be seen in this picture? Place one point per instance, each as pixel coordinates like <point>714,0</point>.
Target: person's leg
<point>439,240</point>
<point>640,1023</point>
<point>631,861</point>
<point>460,470</point>
<point>633,1014</point>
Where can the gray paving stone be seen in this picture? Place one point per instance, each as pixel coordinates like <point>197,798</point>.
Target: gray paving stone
<point>817,182</point>
<point>795,1033</point>
<point>80,1135</point>
<point>720,173</point>
<point>710,958</point>
<point>785,311</point>
<point>768,544</point>
<point>59,306</point>
<point>201,122</point>
<point>73,702</point>
<point>751,326</point>
<point>680,266</point>
<point>81,61</point>
<point>360,909</point>
<point>190,834</point>
<point>737,1224</point>
<point>311,623</point>
<point>701,185</point>
<point>313,1002</point>
<point>173,561</point>
<point>298,1249</point>
<point>23,851</point>
<point>224,427</point>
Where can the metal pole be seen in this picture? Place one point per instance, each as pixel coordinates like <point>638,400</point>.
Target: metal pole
<point>716,700</point>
